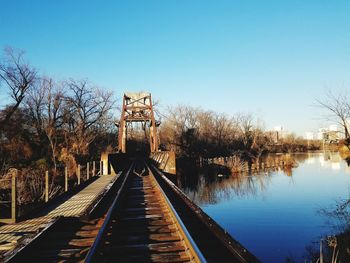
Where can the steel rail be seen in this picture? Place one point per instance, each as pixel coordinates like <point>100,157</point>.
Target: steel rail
<point>195,251</point>
<point>95,246</point>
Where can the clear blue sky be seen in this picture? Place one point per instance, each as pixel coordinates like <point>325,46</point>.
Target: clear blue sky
<point>266,57</point>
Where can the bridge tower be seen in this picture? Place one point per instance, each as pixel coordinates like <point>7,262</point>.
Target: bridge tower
<point>137,107</point>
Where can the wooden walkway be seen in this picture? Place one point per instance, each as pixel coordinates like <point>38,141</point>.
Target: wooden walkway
<point>75,206</point>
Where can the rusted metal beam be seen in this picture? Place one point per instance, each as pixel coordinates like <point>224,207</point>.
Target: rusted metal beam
<point>137,107</point>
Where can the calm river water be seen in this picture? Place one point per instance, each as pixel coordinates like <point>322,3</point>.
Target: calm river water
<point>275,214</point>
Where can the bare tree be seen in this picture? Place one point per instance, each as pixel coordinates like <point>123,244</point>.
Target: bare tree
<point>18,76</point>
<point>338,106</point>
<point>55,115</point>
<point>35,103</point>
<point>180,120</point>
<point>87,113</point>
<point>247,130</point>
<point>223,128</point>
<point>46,107</point>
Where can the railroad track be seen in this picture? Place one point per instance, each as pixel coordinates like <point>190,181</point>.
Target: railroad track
<point>148,220</point>
<point>142,226</point>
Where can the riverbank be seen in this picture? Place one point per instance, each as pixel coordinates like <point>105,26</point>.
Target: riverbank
<point>236,164</point>
<point>284,207</point>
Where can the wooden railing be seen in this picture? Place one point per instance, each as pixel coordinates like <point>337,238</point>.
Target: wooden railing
<point>83,174</point>
<point>165,160</point>
<point>13,200</point>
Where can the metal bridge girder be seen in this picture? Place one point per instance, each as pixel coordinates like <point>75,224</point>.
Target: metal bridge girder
<point>137,107</point>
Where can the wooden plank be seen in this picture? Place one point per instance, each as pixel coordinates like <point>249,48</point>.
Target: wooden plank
<point>141,188</point>
<point>149,229</point>
<point>144,196</point>
<point>143,203</point>
<point>146,238</point>
<point>86,242</point>
<point>143,191</point>
<point>140,217</point>
<point>148,209</point>
<point>164,257</point>
<point>163,247</point>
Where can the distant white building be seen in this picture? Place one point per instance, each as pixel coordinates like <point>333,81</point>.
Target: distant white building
<point>329,134</point>
<point>279,133</point>
<point>309,136</point>
<point>320,133</point>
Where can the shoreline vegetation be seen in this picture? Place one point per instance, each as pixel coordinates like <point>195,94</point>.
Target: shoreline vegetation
<point>237,165</point>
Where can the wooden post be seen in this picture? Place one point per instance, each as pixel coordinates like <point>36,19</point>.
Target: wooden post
<point>14,197</point>
<point>87,171</point>
<point>101,167</point>
<point>78,174</point>
<point>66,179</point>
<point>46,186</point>
<point>93,168</point>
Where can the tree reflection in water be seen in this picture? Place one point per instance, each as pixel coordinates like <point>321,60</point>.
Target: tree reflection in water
<point>212,183</point>
<point>338,245</point>
<point>205,187</point>
<point>339,219</point>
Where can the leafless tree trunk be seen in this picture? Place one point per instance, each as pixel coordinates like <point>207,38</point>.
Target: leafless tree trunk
<point>18,76</point>
<point>54,121</point>
<point>247,130</point>
<point>223,127</point>
<point>46,106</point>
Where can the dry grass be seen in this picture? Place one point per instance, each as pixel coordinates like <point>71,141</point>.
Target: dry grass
<point>236,164</point>
<point>30,188</point>
<point>332,244</point>
<point>288,160</point>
